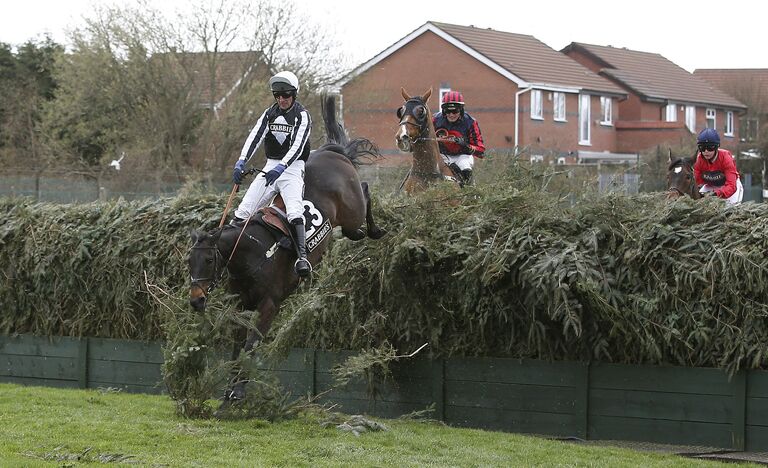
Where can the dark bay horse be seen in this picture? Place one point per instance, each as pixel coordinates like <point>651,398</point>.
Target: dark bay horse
<point>259,258</point>
<point>416,135</point>
<point>680,178</point>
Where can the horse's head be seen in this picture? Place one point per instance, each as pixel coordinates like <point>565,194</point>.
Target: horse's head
<point>206,267</point>
<point>680,178</point>
<point>415,120</point>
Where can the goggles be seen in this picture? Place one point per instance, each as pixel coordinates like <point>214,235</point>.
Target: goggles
<point>283,94</point>
<point>451,110</point>
<point>707,147</point>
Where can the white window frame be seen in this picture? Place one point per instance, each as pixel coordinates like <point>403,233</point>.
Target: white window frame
<point>728,124</point>
<point>711,118</point>
<point>443,92</point>
<point>606,110</point>
<point>690,118</point>
<point>585,119</point>
<point>558,106</point>
<point>671,112</point>
<point>537,110</point>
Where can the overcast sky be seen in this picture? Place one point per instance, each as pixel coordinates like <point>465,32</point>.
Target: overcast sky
<point>691,33</point>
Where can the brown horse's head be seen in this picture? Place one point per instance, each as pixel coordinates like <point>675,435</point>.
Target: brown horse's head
<point>206,265</point>
<point>680,178</point>
<point>415,120</point>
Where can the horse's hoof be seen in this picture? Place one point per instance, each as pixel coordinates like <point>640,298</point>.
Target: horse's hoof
<point>377,233</point>
<point>234,394</point>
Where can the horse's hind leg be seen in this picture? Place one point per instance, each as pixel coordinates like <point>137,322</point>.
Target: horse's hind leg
<point>374,232</point>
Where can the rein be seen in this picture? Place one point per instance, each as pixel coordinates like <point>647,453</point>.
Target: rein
<point>218,274</point>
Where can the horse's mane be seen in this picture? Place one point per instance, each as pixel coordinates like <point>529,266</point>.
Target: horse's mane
<point>338,139</point>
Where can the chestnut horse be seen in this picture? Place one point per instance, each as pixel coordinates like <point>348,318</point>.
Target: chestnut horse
<point>259,256</point>
<point>416,134</point>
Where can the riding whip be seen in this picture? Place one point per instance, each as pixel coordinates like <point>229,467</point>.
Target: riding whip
<point>229,204</point>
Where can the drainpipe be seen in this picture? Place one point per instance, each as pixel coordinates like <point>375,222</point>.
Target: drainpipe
<point>517,115</point>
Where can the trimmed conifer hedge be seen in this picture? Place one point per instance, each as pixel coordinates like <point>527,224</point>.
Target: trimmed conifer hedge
<point>506,268</point>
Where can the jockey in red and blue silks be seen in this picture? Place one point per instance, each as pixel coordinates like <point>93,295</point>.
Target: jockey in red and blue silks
<point>715,169</point>
<point>465,142</point>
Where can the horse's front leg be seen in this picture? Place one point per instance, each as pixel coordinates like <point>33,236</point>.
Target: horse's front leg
<point>267,309</point>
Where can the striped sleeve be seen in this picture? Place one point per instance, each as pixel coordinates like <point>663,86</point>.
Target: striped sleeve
<point>255,138</point>
<point>476,140</point>
<point>300,139</point>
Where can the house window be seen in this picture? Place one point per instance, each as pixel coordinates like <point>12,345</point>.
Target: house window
<point>606,110</point>
<point>690,118</point>
<point>443,92</point>
<point>559,107</point>
<point>584,118</point>
<point>671,112</point>
<point>536,109</point>
<point>711,118</point>
<point>729,123</point>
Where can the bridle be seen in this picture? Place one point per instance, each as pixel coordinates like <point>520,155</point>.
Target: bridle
<point>216,276</point>
<point>692,185</point>
<point>422,126</point>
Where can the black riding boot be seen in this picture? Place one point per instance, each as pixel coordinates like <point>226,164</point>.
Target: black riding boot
<point>302,266</point>
<point>466,174</point>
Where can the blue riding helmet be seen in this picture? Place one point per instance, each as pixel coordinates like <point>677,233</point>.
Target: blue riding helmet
<point>708,135</point>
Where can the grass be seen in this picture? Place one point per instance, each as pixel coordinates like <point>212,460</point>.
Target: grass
<point>62,427</point>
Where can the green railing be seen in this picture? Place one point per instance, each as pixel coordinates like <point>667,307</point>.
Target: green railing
<point>674,405</point>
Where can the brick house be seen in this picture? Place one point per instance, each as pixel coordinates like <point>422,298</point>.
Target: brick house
<point>749,86</point>
<point>666,104</point>
<point>522,92</point>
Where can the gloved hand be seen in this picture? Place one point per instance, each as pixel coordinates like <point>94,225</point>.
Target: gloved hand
<point>237,174</point>
<point>460,141</point>
<point>274,174</point>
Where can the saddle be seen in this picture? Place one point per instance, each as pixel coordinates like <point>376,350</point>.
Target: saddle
<point>273,217</point>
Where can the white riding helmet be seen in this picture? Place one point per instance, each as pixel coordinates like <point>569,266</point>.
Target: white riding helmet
<point>284,81</point>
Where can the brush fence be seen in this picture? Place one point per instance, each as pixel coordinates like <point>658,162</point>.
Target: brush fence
<point>674,405</point>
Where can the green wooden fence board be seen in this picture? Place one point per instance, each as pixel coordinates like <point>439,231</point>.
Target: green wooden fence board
<point>295,382</point>
<point>393,410</point>
<point>28,345</point>
<point>39,382</point>
<point>42,367</point>
<point>124,372</point>
<point>661,405</point>
<point>297,360</point>
<point>327,360</point>
<point>411,369</point>
<point>384,409</point>
<point>757,411</point>
<point>660,431</point>
<point>108,349</point>
<point>757,384</point>
<point>407,392</point>
<point>530,422</point>
<point>668,379</point>
<point>523,371</point>
<point>756,439</point>
<point>510,396</point>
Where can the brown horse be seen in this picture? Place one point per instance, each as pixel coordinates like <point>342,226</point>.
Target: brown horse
<point>416,134</point>
<point>680,178</point>
<point>259,257</point>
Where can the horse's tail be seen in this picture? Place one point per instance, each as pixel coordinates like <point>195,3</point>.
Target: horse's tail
<point>338,139</point>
